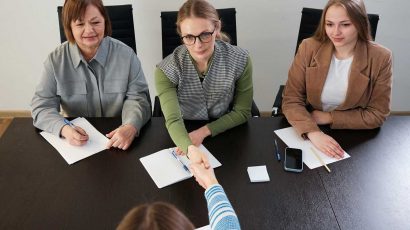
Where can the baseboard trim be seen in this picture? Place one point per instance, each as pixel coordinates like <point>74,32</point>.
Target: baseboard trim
<point>4,124</point>
<point>15,113</point>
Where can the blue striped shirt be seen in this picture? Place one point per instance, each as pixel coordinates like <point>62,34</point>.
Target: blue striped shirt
<point>220,210</point>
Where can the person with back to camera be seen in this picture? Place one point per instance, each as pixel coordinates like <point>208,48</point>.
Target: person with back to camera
<point>91,75</point>
<point>339,77</point>
<point>206,78</point>
<point>164,216</point>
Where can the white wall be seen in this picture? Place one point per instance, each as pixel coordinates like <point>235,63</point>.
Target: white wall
<point>268,29</point>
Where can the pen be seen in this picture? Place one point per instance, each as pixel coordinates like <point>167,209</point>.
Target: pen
<point>67,122</point>
<point>277,151</point>
<point>183,165</point>
<point>320,159</point>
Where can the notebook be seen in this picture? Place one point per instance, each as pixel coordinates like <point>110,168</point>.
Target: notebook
<point>166,168</point>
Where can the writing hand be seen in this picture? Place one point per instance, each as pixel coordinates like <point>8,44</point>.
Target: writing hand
<point>74,134</point>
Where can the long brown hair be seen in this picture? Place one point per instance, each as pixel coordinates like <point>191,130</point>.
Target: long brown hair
<point>155,216</point>
<point>357,13</point>
<point>200,9</point>
<point>75,9</point>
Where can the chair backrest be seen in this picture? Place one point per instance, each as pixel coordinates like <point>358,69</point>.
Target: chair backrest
<point>311,18</point>
<point>171,39</point>
<point>121,20</point>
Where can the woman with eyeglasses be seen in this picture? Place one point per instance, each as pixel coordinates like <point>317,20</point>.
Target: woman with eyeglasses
<point>206,78</point>
<point>339,77</point>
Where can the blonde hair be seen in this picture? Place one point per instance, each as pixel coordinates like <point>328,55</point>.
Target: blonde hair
<point>201,9</point>
<point>155,216</point>
<point>357,14</point>
<point>75,9</point>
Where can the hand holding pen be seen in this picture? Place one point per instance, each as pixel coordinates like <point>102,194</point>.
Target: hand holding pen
<point>74,134</point>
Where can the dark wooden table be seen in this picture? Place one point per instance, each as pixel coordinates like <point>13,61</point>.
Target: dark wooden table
<point>39,190</point>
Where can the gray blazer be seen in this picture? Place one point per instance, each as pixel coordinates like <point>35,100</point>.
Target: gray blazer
<point>112,84</point>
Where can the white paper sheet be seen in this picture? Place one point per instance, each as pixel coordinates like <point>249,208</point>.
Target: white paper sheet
<point>206,227</point>
<point>258,173</point>
<point>165,170</point>
<point>97,142</point>
<point>293,140</point>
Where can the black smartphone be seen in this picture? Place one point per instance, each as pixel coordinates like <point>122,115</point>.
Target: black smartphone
<point>293,160</point>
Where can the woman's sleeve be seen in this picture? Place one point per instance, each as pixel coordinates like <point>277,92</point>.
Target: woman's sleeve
<point>220,211</point>
<point>378,108</point>
<point>242,103</point>
<point>45,104</point>
<point>167,94</point>
<point>294,95</point>
<point>136,109</point>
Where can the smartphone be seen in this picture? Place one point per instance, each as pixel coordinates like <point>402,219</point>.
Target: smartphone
<point>293,160</point>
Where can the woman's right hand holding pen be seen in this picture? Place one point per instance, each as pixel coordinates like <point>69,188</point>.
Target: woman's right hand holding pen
<point>74,134</point>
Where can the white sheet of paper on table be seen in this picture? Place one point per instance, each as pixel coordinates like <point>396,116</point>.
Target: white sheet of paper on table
<point>97,142</point>
<point>293,140</point>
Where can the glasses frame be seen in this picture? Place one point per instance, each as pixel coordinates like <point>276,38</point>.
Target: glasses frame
<point>198,36</point>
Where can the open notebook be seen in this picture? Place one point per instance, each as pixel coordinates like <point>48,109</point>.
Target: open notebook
<point>166,168</point>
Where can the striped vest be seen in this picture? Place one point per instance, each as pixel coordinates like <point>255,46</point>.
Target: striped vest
<point>211,98</point>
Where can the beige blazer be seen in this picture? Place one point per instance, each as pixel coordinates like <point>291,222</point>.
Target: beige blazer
<point>367,102</point>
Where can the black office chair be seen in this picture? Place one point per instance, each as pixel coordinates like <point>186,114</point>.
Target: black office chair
<point>121,20</point>
<point>171,40</point>
<point>308,24</point>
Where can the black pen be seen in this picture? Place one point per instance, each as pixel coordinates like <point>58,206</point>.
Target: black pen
<point>277,151</point>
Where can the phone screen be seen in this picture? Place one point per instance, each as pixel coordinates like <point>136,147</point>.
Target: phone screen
<point>293,160</point>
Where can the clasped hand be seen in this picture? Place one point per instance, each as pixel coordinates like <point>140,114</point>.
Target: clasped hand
<point>195,155</point>
<point>204,176</point>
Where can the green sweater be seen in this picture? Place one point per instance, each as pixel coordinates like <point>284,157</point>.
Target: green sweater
<point>240,113</point>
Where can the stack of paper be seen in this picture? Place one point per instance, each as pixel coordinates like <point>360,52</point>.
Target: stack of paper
<point>258,173</point>
<point>165,169</point>
<point>97,142</point>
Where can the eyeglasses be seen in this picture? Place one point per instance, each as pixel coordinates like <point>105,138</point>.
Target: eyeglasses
<point>204,37</point>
